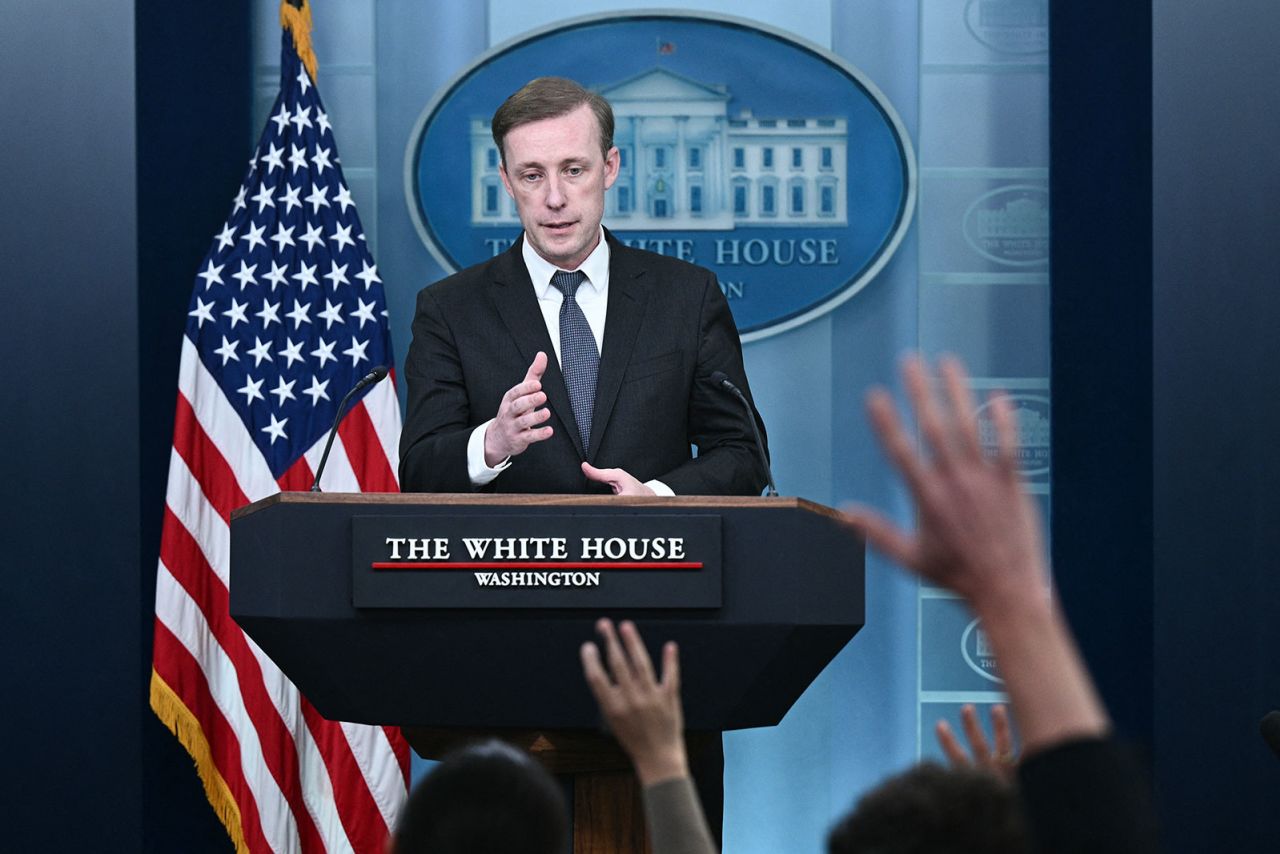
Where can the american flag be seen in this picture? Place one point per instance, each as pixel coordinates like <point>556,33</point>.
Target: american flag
<point>287,314</point>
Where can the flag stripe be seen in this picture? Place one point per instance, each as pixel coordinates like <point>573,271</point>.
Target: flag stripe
<point>369,462</point>
<point>181,671</point>
<point>185,621</point>
<point>360,814</point>
<point>200,454</point>
<point>181,555</point>
<point>212,541</point>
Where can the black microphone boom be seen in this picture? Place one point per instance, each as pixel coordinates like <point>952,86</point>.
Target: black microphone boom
<point>721,380</point>
<point>376,375</point>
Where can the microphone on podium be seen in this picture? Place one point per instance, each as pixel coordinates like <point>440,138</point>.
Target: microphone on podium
<point>721,380</point>
<point>376,375</point>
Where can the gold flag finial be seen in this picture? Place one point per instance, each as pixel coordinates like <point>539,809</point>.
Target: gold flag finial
<point>295,16</point>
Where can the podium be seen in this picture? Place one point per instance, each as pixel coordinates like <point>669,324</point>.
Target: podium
<point>760,594</point>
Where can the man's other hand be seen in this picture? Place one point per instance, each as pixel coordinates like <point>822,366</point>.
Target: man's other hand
<point>619,480</point>
<point>523,409</point>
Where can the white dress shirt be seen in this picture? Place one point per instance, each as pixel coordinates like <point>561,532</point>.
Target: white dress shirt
<point>592,297</point>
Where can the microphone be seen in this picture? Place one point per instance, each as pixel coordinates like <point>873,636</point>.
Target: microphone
<point>1270,728</point>
<point>721,380</point>
<point>369,379</point>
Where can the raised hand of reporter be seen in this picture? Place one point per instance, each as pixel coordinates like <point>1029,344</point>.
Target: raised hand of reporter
<point>643,711</point>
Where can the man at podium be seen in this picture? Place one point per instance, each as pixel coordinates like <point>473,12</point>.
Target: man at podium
<point>572,363</point>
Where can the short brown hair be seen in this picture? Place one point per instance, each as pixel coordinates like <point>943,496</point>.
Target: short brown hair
<point>550,98</point>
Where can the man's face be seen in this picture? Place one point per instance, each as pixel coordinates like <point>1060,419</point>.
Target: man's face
<point>556,173</point>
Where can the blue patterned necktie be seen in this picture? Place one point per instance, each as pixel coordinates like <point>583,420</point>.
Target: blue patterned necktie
<point>579,358</point>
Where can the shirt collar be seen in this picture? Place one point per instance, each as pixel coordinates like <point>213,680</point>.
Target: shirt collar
<point>596,267</point>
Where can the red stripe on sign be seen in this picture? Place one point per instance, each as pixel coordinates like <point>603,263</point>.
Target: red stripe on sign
<point>366,829</point>
<point>365,453</point>
<point>207,465</point>
<point>182,673</point>
<point>651,564</point>
<point>186,562</point>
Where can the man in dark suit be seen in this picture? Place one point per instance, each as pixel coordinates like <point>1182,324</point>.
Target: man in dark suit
<point>616,346</point>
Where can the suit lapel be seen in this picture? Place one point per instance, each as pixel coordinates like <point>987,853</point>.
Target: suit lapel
<point>512,293</point>
<point>627,297</point>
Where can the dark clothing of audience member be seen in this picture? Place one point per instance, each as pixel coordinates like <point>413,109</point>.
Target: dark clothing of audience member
<point>488,798</point>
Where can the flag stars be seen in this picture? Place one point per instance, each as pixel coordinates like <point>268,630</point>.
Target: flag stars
<point>263,197</point>
<point>236,312</point>
<point>292,351</point>
<point>284,391</point>
<point>271,312</point>
<point>227,351</point>
<point>283,237</point>
<point>301,118</point>
<point>322,121</point>
<point>364,312</point>
<point>273,158</point>
<point>331,314</point>
<point>337,274</point>
<point>356,352</point>
<point>245,276</point>
<point>303,80</point>
<point>343,197</point>
<point>254,236</point>
<point>202,312</point>
<point>281,119</point>
<point>226,237</point>
<point>369,274</point>
<point>317,390</point>
<point>342,237</point>
<point>276,276</point>
<point>312,237</point>
<point>261,350</point>
<point>290,199</point>
<point>238,203</point>
<point>324,352</point>
<point>306,275</point>
<point>321,160</point>
<point>276,429</point>
<point>251,390</point>
<point>299,314</point>
<point>318,199</point>
<point>297,158</point>
<point>212,275</point>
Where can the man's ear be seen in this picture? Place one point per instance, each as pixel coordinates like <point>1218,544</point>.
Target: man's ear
<point>612,161</point>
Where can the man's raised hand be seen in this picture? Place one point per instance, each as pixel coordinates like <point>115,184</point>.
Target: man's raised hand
<point>520,416</point>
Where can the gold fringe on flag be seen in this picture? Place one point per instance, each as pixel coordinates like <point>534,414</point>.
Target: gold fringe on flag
<point>174,714</point>
<point>297,20</point>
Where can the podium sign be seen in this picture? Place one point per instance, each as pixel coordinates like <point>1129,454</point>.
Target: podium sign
<point>597,561</point>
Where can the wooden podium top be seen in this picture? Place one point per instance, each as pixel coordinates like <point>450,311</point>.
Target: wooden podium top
<point>461,499</point>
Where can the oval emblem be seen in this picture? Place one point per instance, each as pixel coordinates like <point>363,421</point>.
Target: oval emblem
<point>1010,225</point>
<point>977,653</point>
<point>769,160</point>
<point>1031,421</point>
<point>1009,26</point>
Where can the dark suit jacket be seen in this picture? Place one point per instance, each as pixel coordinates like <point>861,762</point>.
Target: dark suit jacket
<point>667,329</point>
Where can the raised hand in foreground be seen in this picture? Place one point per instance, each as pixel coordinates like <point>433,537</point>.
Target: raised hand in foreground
<point>978,533</point>
<point>644,713</point>
<point>1001,761</point>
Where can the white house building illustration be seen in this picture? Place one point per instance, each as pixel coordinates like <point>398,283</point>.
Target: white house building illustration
<point>687,164</point>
